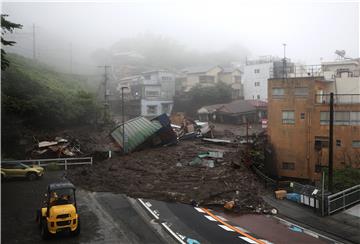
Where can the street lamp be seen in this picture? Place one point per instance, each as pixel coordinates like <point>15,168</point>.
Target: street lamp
<point>123,116</point>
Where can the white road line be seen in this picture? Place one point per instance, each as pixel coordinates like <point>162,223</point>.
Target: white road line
<point>200,210</point>
<point>222,218</point>
<point>226,228</point>
<point>266,242</point>
<point>210,218</point>
<point>247,239</point>
<point>310,233</point>
<point>306,231</point>
<point>242,229</point>
<point>148,209</point>
<point>173,233</point>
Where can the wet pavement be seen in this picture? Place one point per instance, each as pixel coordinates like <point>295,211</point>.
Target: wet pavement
<point>105,217</point>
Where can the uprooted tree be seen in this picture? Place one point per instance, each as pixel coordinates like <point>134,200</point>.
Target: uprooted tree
<point>6,26</point>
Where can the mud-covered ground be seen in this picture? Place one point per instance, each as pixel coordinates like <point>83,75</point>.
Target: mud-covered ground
<point>164,173</point>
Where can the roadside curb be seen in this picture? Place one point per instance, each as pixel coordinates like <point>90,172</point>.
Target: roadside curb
<point>317,233</point>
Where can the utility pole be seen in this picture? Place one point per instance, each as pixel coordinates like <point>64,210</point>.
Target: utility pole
<point>331,139</point>
<point>71,59</point>
<point>123,117</point>
<point>106,92</point>
<point>34,43</point>
<point>284,62</point>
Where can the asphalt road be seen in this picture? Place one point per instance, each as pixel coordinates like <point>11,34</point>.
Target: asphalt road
<point>105,217</point>
<point>199,224</point>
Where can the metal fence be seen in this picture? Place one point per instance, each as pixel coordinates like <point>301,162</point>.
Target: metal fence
<point>343,199</point>
<point>58,161</point>
<point>338,98</point>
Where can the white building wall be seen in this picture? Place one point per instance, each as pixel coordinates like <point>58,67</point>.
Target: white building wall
<point>250,78</point>
<point>159,107</point>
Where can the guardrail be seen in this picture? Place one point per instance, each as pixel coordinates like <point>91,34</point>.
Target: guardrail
<point>343,199</point>
<point>59,161</point>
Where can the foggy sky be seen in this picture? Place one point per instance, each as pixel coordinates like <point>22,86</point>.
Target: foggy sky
<point>310,30</point>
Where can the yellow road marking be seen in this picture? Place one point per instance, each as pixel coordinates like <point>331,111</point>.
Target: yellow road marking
<point>232,227</point>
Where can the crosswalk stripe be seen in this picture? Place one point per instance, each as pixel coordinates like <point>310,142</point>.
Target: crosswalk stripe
<point>226,228</point>
<point>210,218</point>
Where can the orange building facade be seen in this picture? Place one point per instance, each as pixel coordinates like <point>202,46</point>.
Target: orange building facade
<point>298,127</point>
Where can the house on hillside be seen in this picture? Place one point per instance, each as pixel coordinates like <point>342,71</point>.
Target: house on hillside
<point>236,112</point>
<point>205,76</point>
<point>232,77</point>
<point>148,94</point>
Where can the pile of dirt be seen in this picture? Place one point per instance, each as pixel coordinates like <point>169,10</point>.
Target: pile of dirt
<point>165,174</point>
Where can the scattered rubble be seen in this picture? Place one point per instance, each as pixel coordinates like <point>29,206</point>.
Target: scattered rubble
<point>59,147</point>
<point>170,174</point>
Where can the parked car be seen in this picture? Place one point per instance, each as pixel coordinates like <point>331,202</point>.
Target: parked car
<point>10,170</point>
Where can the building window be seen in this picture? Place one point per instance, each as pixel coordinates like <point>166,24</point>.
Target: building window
<point>151,109</point>
<point>256,71</point>
<point>338,143</point>
<point>152,93</point>
<point>165,107</point>
<point>356,144</point>
<point>301,91</point>
<point>258,96</point>
<point>206,79</point>
<point>237,78</point>
<point>288,166</point>
<point>321,142</point>
<point>288,117</point>
<point>341,118</point>
<point>302,116</point>
<point>324,118</point>
<point>166,78</point>
<point>257,83</point>
<point>278,92</point>
<point>355,118</point>
<point>147,77</point>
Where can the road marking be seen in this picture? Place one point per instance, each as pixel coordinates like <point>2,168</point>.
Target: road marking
<point>226,228</point>
<point>148,209</point>
<point>221,217</point>
<point>173,233</point>
<point>247,239</point>
<point>148,204</point>
<point>210,218</point>
<point>200,210</point>
<point>306,231</point>
<point>242,229</point>
<point>232,227</point>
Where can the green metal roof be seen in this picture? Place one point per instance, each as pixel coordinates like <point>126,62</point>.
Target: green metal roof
<point>137,131</point>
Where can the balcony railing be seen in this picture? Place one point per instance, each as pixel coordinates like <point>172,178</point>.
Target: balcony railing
<point>296,71</point>
<point>338,98</point>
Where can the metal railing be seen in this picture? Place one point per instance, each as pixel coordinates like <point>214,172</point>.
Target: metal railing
<point>296,71</point>
<point>338,98</point>
<point>58,161</point>
<point>343,199</point>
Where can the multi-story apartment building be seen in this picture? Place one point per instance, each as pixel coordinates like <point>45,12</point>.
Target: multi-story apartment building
<point>258,71</point>
<point>209,76</point>
<point>298,125</point>
<point>149,94</point>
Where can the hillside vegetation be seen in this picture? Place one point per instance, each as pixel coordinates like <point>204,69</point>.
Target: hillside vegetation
<point>35,97</point>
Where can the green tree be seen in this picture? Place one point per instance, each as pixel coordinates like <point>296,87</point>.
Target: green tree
<point>202,96</point>
<point>6,26</point>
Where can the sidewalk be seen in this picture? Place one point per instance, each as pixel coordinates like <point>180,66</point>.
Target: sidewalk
<point>338,226</point>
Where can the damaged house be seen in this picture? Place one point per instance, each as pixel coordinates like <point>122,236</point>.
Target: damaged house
<point>236,112</point>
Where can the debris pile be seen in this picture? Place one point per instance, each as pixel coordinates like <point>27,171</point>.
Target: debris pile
<point>190,171</point>
<point>59,147</point>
